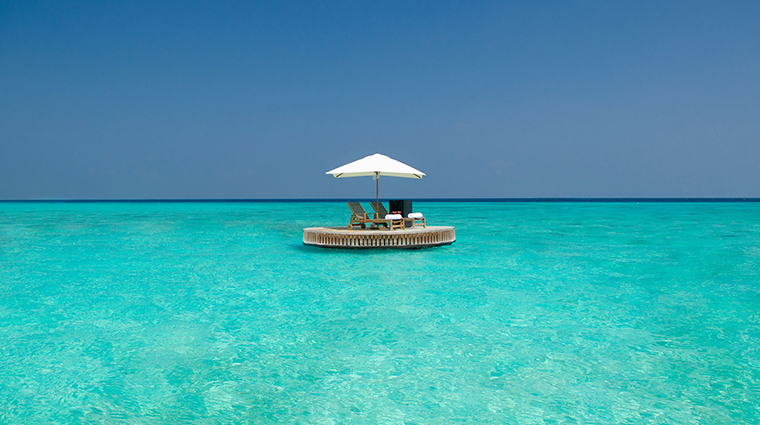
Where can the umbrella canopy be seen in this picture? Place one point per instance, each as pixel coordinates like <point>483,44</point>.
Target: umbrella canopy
<point>376,165</point>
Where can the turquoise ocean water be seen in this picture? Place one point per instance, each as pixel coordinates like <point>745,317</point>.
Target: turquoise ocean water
<point>539,313</point>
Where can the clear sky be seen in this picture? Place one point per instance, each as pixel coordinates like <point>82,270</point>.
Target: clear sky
<point>490,99</point>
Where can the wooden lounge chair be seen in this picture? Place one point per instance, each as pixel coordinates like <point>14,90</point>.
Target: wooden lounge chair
<point>359,217</point>
<point>396,221</point>
<point>413,220</point>
<point>382,212</point>
<point>417,217</point>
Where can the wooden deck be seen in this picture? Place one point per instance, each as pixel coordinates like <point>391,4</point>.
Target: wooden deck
<point>341,237</point>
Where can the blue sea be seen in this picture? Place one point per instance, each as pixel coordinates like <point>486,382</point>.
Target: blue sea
<point>539,313</point>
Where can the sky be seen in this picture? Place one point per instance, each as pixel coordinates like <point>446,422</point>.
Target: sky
<point>491,99</point>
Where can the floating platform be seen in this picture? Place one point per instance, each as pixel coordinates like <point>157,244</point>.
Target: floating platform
<point>416,237</point>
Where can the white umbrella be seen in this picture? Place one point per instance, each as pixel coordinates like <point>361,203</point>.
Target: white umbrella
<point>376,165</point>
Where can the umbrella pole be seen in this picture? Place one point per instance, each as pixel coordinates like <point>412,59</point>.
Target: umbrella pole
<point>377,196</point>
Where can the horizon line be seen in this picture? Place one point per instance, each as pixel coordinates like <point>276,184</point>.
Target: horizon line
<point>253,200</point>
